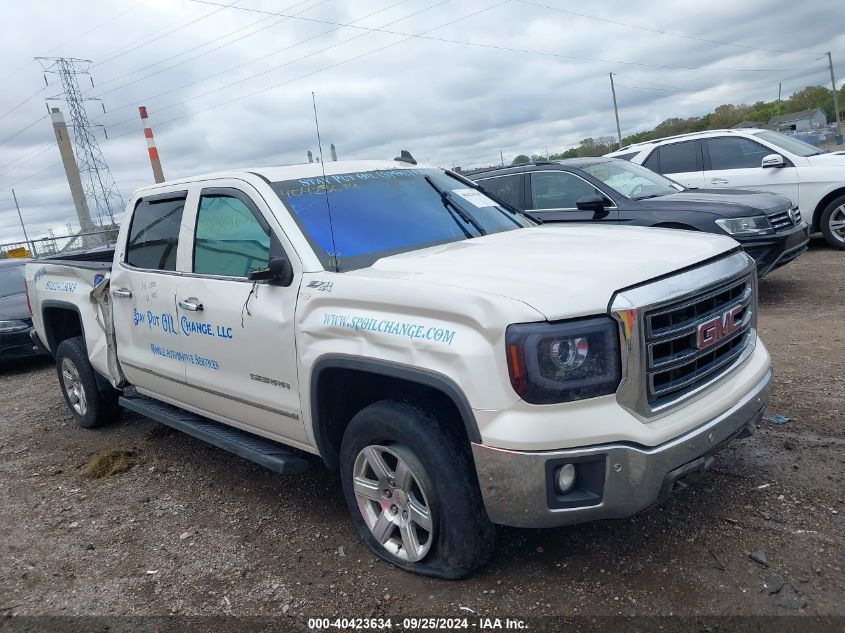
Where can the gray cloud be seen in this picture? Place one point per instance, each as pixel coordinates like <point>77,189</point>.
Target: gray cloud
<point>446,102</point>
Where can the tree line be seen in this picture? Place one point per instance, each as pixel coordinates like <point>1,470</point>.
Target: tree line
<point>724,116</point>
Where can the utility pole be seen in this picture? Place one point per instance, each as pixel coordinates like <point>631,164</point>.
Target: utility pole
<point>835,96</point>
<point>502,158</point>
<point>100,187</point>
<point>615,110</point>
<point>333,152</point>
<point>72,172</point>
<point>20,217</point>
<point>155,161</point>
<point>780,85</point>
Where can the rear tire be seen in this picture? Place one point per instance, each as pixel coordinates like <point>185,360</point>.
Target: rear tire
<point>410,484</point>
<point>832,223</point>
<point>90,404</point>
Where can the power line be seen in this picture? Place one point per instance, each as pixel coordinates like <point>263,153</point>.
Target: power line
<point>319,70</point>
<point>28,99</point>
<point>193,48</point>
<point>12,166</point>
<point>652,30</point>
<point>184,61</point>
<point>23,129</point>
<point>147,42</point>
<point>504,48</point>
<point>269,70</point>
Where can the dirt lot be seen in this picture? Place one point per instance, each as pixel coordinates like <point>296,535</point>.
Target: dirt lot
<point>190,529</point>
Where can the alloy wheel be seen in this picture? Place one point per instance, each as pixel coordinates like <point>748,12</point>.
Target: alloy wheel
<point>392,502</point>
<point>73,387</point>
<point>837,223</point>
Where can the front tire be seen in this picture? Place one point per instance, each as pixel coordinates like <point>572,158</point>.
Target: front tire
<point>90,405</point>
<point>832,223</point>
<point>410,484</point>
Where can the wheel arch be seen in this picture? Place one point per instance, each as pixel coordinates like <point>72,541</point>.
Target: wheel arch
<point>61,320</point>
<point>342,385</point>
<point>822,205</point>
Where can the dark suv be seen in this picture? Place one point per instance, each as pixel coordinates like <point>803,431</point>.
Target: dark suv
<point>15,318</point>
<point>767,225</point>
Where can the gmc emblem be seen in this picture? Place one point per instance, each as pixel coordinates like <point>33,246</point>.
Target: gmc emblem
<point>714,330</point>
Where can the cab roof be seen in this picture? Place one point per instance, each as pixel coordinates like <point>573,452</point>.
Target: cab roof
<point>290,172</point>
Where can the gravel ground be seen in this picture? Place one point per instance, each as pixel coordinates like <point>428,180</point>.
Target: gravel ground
<point>190,529</point>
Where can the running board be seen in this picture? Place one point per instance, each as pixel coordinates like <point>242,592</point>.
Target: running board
<point>257,449</point>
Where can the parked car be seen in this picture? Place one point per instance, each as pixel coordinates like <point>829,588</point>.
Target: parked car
<point>613,191</point>
<point>755,159</point>
<point>459,364</point>
<point>15,318</point>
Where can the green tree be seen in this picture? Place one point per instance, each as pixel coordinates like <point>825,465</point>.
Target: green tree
<point>522,159</point>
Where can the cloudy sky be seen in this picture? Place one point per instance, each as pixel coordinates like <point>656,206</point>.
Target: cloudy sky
<point>228,83</point>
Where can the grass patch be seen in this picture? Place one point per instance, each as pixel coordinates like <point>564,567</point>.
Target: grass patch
<point>109,462</point>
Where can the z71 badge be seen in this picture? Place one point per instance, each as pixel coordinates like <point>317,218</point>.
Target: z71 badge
<point>322,286</point>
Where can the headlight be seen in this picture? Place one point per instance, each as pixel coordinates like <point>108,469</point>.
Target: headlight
<point>12,326</point>
<point>561,362</point>
<point>746,226</point>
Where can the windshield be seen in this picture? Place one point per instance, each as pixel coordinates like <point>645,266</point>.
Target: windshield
<point>791,145</point>
<point>384,212</point>
<point>631,180</point>
<point>11,280</point>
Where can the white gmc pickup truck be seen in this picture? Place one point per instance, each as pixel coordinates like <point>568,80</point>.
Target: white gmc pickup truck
<point>459,364</point>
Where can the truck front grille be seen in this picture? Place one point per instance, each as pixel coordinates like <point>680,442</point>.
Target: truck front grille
<point>675,365</point>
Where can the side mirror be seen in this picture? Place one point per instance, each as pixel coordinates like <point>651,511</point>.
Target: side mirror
<point>279,272</point>
<point>773,160</point>
<point>593,202</point>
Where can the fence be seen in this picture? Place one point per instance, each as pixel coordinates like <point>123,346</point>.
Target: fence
<point>65,245</point>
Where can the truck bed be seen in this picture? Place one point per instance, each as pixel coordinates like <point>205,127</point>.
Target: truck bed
<point>71,292</point>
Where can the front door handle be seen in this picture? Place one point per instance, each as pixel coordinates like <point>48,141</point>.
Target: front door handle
<point>719,181</point>
<point>190,304</point>
<point>122,293</point>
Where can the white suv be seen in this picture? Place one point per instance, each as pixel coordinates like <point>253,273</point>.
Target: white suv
<point>755,159</point>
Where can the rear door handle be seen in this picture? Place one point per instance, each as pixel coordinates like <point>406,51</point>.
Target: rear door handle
<point>122,293</point>
<point>719,181</point>
<point>190,304</point>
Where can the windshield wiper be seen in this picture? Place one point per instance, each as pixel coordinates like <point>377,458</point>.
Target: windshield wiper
<point>449,201</point>
<point>651,195</point>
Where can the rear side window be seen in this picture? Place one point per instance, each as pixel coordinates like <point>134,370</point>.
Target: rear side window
<point>735,153</point>
<point>678,158</point>
<point>154,234</point>
<point>507,188</point>
<point>232,238</point>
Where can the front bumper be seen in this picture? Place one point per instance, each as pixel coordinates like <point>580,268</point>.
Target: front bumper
<point>621,479</point>
<point>773,251</point>
<point>18,344</point>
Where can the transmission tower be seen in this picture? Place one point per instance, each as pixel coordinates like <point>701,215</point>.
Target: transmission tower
<point>97,181</point>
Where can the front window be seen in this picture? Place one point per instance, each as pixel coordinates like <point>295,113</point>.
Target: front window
<point>11,280</point>
<point>735,152</point>
<point>384,212</point>
<point>632,180</point>
<point>791,145</point>
<point>232,239</point>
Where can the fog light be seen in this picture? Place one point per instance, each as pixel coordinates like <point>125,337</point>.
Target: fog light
<point>565,477</point>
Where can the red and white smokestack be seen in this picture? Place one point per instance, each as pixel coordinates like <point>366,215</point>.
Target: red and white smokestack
<point>158,174</point>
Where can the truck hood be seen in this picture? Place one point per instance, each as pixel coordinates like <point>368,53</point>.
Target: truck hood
<point>560,271</point>
<point>732,203</point>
